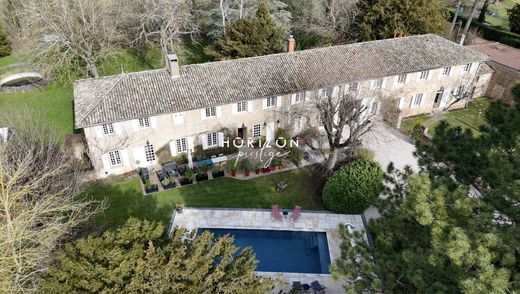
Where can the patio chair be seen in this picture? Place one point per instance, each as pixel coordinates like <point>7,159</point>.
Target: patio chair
<point>170,168</point>
<point>317,287</point>
<point>275,212</point>
<point>296,213</point>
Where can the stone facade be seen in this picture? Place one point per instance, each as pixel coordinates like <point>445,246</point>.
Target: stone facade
<point>120,147</point>
<point>502,82</point>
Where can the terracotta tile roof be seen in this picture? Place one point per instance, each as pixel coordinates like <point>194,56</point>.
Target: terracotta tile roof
<point>149,93</point>
<point>500,53</point>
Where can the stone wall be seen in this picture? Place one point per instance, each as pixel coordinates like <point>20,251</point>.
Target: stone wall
<point>502,81</point>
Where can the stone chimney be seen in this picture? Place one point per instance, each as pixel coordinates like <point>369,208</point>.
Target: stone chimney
<point>172,63</point>
<point>291,43</point>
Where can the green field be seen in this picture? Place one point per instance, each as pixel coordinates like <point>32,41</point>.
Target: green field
<point>125,197</point>
<point>500,8</point>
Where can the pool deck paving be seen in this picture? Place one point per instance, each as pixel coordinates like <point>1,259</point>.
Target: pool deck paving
<point>316,221</point>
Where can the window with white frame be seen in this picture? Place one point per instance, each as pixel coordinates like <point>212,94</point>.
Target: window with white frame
<point>257,131</point>
<point>144,122</point>
<point>115,158</point>
<point>401,79</point>
<point>212,139</point>
<point>322,93</point>
<point>424,75</point>
<point>467,67</point>
<point>373,110</point>
<point>271,102</point>
<point>353,87</point>
<point>211,111</point>
<point>242,106</point>
<point>149,152</point>
<point>377,84</point>
<point>446,71</point>
<point>182,145</point>
<point>417,99</point>
<point>108,129</point>
<point>299,97</point>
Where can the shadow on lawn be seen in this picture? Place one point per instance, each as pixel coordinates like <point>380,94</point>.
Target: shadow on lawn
<point>126,201</point>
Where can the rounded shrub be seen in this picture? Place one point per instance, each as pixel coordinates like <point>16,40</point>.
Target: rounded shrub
<point>354,187</point>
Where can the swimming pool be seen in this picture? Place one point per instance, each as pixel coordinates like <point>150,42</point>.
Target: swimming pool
<point>283,251</point>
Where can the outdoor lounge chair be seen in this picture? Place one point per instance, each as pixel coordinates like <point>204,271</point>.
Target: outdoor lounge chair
<point>275,212</point>
<point>296,213</point>
<point>170,168</point>
<point>317,287</point>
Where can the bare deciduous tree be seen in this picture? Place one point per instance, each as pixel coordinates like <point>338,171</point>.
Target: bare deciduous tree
<point>468,22</point>
<point>73,34</point>
<point>162,21</point>
<point>39,203</point>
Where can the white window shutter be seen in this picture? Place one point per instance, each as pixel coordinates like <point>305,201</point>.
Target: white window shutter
<point>105,159</point>
<point>190,143</point>
<point>293,99</point>
<point>153,122</point>
<point>139,157</point>
<point>383,83</point>
<point>135,124</point>
<point>279,101</point>
<point>99,131</point>
<point>124,156</point>
<point>203,113</point>
<point>219,111</point>
<point>220,139</point>
<point>118,128</point>
<point>204,141</point>
<point>264,104</point>
<point>234,109</point>
<point>173,147</point>
<point>423,97</point>
<point>335,91</point>
<point>411,101</point>
<point>249,106</point>
<point>401,102</point>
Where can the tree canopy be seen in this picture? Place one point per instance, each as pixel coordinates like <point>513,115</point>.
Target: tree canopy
<point>247,37</point>
<point>5,44</point>
<point>381,19</point>
<point>137,258</point>
<point>514,18</point>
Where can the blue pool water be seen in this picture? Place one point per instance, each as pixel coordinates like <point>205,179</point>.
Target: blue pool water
<point>283,251</point>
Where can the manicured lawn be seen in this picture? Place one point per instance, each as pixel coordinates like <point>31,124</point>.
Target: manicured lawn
<point>470,117</point>
<point>125,199</point>
<point>501,18</point>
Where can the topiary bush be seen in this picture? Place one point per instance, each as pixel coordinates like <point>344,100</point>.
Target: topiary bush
<point>354,187</point>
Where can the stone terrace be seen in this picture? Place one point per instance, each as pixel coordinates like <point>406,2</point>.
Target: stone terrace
<point>193,218</point>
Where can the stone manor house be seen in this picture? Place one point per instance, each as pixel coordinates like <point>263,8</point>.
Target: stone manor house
<point>128,117</point>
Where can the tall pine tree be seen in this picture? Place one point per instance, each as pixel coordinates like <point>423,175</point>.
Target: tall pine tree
<point>138,259</point>
<point>381,19</point>
<point>249,37</point>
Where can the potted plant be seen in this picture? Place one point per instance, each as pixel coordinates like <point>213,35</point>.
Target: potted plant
<point>188,177</point>
<point>202,174</point>
<point>258,166</point>
<point>232,167</point>
<point>217,171</point>
<point>245,166</point>
<point>149,187</point>
<point>274,163</point>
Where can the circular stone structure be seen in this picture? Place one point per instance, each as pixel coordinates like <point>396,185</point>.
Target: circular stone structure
<point>21,79</point>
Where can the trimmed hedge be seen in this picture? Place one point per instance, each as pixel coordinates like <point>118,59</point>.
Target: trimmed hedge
<point>354,187</point>
<point>493,33</point>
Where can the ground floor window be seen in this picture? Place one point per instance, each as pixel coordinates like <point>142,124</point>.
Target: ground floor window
<point>115,158</point>
<point>149,152</point>
<point>417,99</point>
<point>182,146</point>
<point>212,140</point>
<point>257,131</point>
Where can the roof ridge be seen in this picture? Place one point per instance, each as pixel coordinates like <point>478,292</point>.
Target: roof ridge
<point>102,97</point>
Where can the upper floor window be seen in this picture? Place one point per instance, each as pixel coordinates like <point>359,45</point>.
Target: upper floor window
<point>322,93</point>
<point>377,84</point>
<point>424,75</point>
<point>417,100</point>
<point>242,106</point>
<point>211,111</point>
<point>446,71</point>
<point>271,102</point>
<point>108,129</point>
<point>401,79</point>
<point>374,108</point>
<point>299,97</point>
<point>182,145</point>
<point>115,158</point>
<point>144,122</point>
<point>257,131</point>
<point>149,152</point>
<point>212,139</point>
<point>467,67</point>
